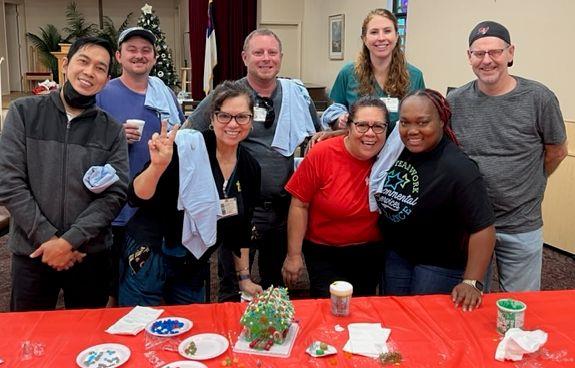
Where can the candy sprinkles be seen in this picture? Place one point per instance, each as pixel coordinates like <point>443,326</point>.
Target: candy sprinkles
<point>102,359</point>
<point>167,327</point>
<point>191,349</point>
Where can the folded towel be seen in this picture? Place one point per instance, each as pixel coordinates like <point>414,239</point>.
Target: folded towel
<point>294,122</point>
<point>99,178</point>
<point>385,160</point>
<point>198,196</point>
<point>161,99</point>
<point>331,113</point>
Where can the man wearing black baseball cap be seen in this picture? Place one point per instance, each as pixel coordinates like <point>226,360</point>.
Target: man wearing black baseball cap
<point>134,95</point>
<point>513,128</point>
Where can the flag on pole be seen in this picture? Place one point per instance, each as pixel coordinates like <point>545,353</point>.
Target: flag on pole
<point>211,55</point>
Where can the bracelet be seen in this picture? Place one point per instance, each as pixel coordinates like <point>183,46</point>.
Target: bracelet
<point>242,270</point>
<point>243,277</point>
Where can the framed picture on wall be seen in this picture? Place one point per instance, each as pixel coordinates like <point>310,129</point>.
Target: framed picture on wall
<point>336,36</point>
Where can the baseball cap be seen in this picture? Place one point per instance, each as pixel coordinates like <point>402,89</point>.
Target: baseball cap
<point>136,31</point>
<point>489,28</point>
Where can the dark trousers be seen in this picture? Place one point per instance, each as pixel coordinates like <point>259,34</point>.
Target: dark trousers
<point>272,250</point>
<point>357,264</point>
<point>229,289</point>
<point>35,285</point>
<point>119,239</point>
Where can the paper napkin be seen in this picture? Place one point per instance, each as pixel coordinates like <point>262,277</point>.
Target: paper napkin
<point>518,342</point>
<point>135,321</point>
<point>367,339</point>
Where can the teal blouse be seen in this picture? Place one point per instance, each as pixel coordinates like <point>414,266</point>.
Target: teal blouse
<point>344,88</point>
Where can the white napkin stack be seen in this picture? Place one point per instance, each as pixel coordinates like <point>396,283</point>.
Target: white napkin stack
<point>518,342</point>
<point>135,321</point>
<point>367,339</point>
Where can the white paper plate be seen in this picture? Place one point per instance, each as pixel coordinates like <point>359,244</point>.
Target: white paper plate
<point>208,345</point>
<point>185,364</point>
<point>313,350</point>
<point>112,355</point>
<point>153,329</point>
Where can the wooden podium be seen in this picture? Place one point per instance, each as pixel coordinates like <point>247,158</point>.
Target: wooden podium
<point>185,78</point>
<point>60,55</point>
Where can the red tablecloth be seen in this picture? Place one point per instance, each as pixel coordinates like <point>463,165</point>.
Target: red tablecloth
<point>427,330</point>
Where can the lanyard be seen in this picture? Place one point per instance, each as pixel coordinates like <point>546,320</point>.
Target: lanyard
<point>227,186</point>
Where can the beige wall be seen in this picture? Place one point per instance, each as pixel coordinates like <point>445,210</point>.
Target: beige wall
<point>543,33</point>
<point>313,15</point>
<point>280,11</point>
<point>559,202</point>
<point>5,86</point>
<point>41,12</point>
<point>316,66</point>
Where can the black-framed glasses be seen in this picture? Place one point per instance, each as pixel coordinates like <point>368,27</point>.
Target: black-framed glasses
<point>364,126</point>
<point>493,54</point>
<point>268,104</point>
<point>225,118</point>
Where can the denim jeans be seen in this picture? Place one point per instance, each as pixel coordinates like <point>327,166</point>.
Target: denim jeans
<point>158,278</point>
<point>405,278</point>
<point>519,258</point>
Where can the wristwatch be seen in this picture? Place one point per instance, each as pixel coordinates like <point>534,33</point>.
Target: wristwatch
<point>243,277</point>
<point>475,283</point>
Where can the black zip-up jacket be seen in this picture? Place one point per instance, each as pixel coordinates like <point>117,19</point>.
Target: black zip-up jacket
<point>43,159</point>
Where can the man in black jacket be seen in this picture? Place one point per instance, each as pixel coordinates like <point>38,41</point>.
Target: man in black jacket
<point>60,231</point>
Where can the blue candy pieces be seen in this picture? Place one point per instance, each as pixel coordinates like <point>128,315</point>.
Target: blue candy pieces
<point>167,326</point>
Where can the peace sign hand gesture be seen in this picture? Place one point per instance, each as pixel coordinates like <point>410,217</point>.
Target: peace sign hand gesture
<point>161,146</point>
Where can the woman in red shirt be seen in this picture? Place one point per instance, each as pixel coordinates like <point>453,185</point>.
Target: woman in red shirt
<point>329,216</point>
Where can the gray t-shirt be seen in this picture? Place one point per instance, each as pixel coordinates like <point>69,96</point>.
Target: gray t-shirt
<point>506,135</point>
<point>276,168</point>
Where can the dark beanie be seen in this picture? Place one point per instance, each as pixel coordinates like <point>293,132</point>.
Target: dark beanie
<point>489,29</point>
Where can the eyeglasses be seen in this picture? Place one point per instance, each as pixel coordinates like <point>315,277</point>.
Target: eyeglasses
<point>493,54</point>
<point>225,118</point>
<point>364,126</point>
<point>268,104</point>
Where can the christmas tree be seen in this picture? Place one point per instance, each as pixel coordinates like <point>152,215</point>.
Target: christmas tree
<point>164,68</point>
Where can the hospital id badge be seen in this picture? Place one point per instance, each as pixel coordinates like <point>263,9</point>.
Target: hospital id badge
<point>392,103</point>
<point>260,114</point>
<point>229,207</point>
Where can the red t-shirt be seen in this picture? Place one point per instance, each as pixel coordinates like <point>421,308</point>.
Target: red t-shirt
<point>335,184</point>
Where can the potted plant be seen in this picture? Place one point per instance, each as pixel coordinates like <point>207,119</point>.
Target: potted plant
<point>50,38</point>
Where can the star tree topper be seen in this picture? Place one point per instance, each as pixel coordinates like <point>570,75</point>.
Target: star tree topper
<point>147,9</point>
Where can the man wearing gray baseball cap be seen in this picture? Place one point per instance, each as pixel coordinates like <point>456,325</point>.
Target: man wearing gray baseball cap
<point>136,31</point>
<point>513,128</point>
<point>133,96</point>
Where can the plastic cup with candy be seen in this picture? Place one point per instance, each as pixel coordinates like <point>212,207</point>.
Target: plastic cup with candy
<point>510,314</point>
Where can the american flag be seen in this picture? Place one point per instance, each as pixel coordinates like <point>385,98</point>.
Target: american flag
<point>211,55</point>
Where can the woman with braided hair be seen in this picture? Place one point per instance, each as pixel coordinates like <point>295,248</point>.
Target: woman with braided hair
<point>436,217</point>
<point>380,70</point>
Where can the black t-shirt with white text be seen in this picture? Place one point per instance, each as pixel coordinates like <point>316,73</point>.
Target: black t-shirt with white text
<point>430,203</point>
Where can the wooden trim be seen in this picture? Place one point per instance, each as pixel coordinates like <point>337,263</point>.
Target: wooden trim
<point>570,126</point>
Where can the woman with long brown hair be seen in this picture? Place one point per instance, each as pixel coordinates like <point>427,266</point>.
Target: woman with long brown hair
<point>380,70</point>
